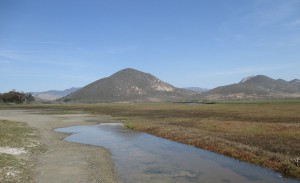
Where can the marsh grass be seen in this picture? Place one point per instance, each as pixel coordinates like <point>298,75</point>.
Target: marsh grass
<point>265,133</point>
<point>18,168</point>
<point>58,112</point>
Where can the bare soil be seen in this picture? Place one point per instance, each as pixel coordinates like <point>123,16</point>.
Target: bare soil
<point>65,161</point>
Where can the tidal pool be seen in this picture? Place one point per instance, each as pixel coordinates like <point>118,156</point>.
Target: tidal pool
<point>140,157</point>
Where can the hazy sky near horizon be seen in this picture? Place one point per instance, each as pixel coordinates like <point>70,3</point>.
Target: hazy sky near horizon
<point>57,44</point>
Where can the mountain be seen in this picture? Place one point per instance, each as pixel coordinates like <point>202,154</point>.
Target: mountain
<point>259,86</point>
<point>296,83</point>
<point>53,94</point>
<point>196,89</point>
<point>128,85</point>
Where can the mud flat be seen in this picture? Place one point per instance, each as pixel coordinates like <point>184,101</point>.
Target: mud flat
<point>65,161</point>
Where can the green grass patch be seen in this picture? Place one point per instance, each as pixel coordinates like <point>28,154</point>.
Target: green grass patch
<point>11,169</point>
<point>18,168</point>
<point>7,160</point>
<point>15,134</point>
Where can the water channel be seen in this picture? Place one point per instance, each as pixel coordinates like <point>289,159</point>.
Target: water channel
<point>139,157</point>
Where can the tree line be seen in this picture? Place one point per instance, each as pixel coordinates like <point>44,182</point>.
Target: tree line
<point>16,97</point>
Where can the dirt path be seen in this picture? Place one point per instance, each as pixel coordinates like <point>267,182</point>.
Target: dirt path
<point>64,161</point>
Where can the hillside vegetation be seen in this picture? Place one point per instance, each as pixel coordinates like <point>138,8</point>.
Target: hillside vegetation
<point>127,85</point>
<point>259,86</point>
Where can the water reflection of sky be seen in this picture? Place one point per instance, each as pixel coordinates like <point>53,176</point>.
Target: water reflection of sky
<point>140,157</point>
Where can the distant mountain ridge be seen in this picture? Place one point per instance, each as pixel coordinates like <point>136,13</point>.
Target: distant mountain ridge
<point>296,83</point>
<point>259,86</point>
<point>197,89</point>
<point>54,94</point>
<point>127,85</point>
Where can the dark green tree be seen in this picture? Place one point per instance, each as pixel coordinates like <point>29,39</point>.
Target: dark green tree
<point>17,97</point>
<point>29,98</point>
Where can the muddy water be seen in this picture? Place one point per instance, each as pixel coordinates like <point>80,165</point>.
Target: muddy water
<point>140,157</point>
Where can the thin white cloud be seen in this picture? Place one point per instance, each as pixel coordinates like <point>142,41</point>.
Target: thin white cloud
<point>251,70</point>
<point>250,22</point>
<point>120,49</point>
<point>288,41</point>
<point>16,54</point>
<point>4,61</point>
<point>293,24</point>
<point>268,12</point>
<point>36,42</point>
<point>35,57</point>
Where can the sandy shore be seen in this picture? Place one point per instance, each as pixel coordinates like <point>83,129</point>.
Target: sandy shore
<point>65,161</point>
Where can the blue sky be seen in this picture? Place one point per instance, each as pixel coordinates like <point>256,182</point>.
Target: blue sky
<point>57,44</point>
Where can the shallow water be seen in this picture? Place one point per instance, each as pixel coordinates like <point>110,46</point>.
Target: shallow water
<point>139,157</point>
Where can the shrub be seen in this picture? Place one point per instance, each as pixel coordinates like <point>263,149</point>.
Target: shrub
<point>16,97</point>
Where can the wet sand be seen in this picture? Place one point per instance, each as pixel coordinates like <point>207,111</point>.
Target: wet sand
<point>65,161</point>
